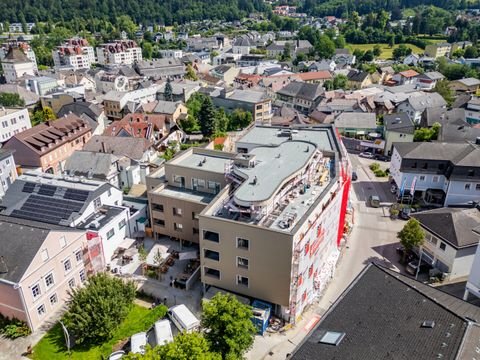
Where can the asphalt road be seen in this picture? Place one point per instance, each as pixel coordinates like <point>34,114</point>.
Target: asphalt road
<point>373,239</point>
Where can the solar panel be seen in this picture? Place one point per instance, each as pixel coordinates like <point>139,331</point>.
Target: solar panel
<point>35,216</point>
<point>28,187</point>
<point>47,190</point>
<point>78,195</point>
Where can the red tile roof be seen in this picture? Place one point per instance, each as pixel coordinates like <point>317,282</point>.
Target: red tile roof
<point>409,73</point>
<point>137,125</point>
<point>315,75</point>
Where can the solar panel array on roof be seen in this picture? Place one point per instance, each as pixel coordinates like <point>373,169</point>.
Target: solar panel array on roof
<point>78,195</point>
<point>47,190</point>
<point>28,187</point>
<point>50,210</point>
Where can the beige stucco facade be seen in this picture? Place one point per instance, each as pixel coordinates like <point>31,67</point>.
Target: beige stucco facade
<point>61,250</point>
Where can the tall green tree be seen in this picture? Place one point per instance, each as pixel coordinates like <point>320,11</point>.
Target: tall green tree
<point>96,310</point>
<point>41,115</point>
<point>168,93</point>
<point>11,99</point>
<point>185,346</point>
<point>147,50</point>
<point>443,88</point>
<point>239,119</point>
<point>411,236</point>
<point>190,73</point>
<point>325,48</point>
<point>230,328</point>
<point>206,117</point>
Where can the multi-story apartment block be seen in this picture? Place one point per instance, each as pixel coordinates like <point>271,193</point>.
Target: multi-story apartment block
<point>16,64</point>
<point>47,146</point>
<point>300,96</point>
<point>438,173</point>
<point>270,217</point>
<point>74,54</point>
<point>8,171</point>
<point>39,268</point>
<point>12,122</point>
<point>257,102</point>
<point>120,52</point>
<point>438,50</point>
<point>25,47</point>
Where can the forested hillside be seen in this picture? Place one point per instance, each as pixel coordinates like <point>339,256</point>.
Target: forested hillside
<point>141,11</point>
<point>363,7</point>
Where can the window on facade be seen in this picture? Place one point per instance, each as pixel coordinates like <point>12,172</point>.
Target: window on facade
<point>211,236</point>
<point>435,179</point>
<point>178,179</point>
<point>178,227</point>
<point>109,192</point>
<point>41,310</point>
<point>212,255</point>
<point>467,186</point>
<point>212,272</point>
<point>477,187</point>
<point>414,165</point>
<point>177,211</point>
<point>470,173</point>
<point>49,280</point>
<point>443,246</point>
<point>53,299</point>
<point>44,254</point>
<point>157,207</point>
<point>63,242</point>
<point>159,222</point>
<point>243,243</point>
<point>110,233</point>
<point>71,282</point>
<point>67,265</point>
<point>422,178</point>
<point>242,280</point>
<point>212,185</point>
<point>78,255</point>
<point>194,215</point>
<point>242,262</point>
<point>36,291</point>
<point>122,224</point>
<point>195,230</point>
<point>97,202</point>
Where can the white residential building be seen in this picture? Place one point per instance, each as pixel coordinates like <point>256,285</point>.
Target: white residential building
<point>473,283</point>
<point>119,52</point>
<point>12,122</point>
<point>8,171</point>
<point>417,103</point>
<point>25,47</point>
<point>439,173</point>
<point>16,64</point>
<point>74,54</point>
<point>171,53</point>
<point>91,205</point>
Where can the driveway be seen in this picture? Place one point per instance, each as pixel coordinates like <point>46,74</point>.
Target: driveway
<point>373,238</point>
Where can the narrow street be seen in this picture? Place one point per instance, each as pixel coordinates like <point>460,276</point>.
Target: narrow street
<point>373,239</point>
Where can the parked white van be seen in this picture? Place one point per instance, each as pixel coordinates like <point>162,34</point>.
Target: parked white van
<point>138,343</point>
<point>183,318</point>
<point>163,332</point>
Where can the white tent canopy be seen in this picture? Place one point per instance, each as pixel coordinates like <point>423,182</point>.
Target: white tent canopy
<point>126,243</point>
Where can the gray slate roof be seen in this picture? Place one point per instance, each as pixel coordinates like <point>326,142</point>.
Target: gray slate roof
<point>134,148</point>
<point>20,241</point>
<point>399,122</point>
<point>84,163</point>
<point>452,225</point>
<point>381,314</point>
<point>302,90</point>
<point>428,100</point>
<point>165,107</point>
<point>356,120</point>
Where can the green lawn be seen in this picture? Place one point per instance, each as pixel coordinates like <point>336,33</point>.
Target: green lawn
<point>387,51</point>
<point>52,345</point>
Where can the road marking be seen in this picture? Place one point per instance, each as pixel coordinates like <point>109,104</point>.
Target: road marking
<point>313,321</point>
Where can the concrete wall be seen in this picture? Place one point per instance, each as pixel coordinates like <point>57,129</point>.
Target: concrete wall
<point>8,173</point>
<point>393,136</point>
<point>11,302</point>
<point>269,256</point>
<point>458,194</point>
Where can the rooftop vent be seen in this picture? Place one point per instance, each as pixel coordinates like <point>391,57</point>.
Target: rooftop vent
<point>332,338</point>
<point>430,324</point>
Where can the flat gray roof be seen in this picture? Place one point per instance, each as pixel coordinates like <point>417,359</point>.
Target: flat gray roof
<point>185,194</point>
<point>263,135</point>
<point>273,166</point>
<point>209,162</point>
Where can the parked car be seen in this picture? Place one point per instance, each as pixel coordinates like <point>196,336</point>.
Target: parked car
<point>405,212</point>
<point>366,155</point>
<point>116,355</point>
<point>412,267</point>
<point>354,176</point>
<point>183,318</point>
<point>374,201</point>
<point>382,157</point>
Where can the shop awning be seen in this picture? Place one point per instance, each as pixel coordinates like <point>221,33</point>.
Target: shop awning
<point>126,243</point>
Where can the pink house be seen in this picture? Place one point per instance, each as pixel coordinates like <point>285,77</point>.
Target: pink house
<point>39,263</point>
